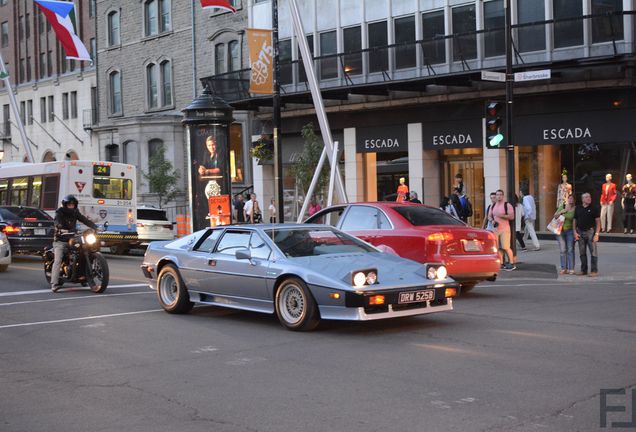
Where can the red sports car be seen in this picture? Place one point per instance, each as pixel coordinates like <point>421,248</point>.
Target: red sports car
<point>420,233</point>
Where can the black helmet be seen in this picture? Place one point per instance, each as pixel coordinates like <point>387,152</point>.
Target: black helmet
<point>69,199</point>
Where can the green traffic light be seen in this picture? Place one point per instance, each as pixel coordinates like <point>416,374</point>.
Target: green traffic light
<point>495,140</point>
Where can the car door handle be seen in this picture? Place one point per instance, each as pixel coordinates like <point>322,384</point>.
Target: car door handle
<point>212,263</point>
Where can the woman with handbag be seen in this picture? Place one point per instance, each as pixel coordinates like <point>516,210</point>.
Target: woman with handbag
<point>566,236</point>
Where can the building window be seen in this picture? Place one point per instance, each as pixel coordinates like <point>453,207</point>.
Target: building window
<point>93,48</point>
<point>285,58</point>
<point>531,37</point>
<point>157,16</point>
<point>378,52</point>
<point>610,27</point>
<point>352,38</point>
<point>22,70</point>
<point>23,112</point>
<point>51,108</point>
<point>219,58</point>
<point>21,27</point>
<point>302,76</point>
<point>328,47</point>
<point>49,63</point>
<point>405,41</point>
<point>153,91</point>
<point>42,110</point>
<point>65,106</point>
<point>234,55</point>
<point>115,93</point>
<point>28,68</point>
<point>92,8</point>
<point>5,34</point>
<point>166,83</point>
<point>40,22</point>
<point>164,10</point>
<point>62,61</point>
<point>494,23</point>
<point>113,29</point>
<point>29,112</point>
<point>27,26</point>
<point>568,33</point>
<point>433,32</point>
<point>112,153</point>
<point>73,113</point>
<point>464,21</point>
<point>42,65</point>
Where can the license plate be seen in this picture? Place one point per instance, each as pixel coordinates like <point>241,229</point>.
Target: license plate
<point>472,246</point>
<point>39,231</point>
<point>416,296</point>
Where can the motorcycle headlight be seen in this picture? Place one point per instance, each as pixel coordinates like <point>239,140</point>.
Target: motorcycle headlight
<point>90,239</point>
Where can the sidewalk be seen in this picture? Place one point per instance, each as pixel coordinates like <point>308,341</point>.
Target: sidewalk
<point>615,262</point>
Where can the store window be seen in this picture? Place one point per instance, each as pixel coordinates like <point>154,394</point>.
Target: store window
<point>568,33</point>
<point>285,57</point>
<point>237,155</point>
<point>434,43</point>
<point>352,43</point>
<point>609,27</point>
<point>405,40</point>
<point>464,37</point>
<point>378,52</point>
<point>328,47</point>
<point>494,23</point>
<point>531,37</point>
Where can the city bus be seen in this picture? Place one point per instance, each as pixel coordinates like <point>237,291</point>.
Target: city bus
<point>105,191</point>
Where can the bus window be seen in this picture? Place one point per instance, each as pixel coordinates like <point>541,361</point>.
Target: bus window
<point>49,192</point>
<point>4,191</point>
<point>112,188</point>
<point>19,189</point>
<point>36,191</point>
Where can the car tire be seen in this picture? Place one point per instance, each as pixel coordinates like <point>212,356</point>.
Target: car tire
<point>3,267</point>
<point>295,306</point>
<point>467,287</point>
<point>171,291</point>
<point>119,250</point>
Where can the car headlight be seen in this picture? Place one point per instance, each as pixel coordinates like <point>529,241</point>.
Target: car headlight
<point>90,239</point>
<point>436,272</point>
<point>442,272</point>
<point>365,277</point>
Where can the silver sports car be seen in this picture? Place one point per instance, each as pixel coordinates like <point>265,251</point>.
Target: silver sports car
<point>303,273</point>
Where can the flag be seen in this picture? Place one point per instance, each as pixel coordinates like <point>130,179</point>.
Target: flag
<point>220,4</point>
<point>61,15</point>
<point>259,43</point>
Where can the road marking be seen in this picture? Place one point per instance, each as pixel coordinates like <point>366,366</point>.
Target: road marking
<point>206,349</point>
<point>79,319</point>
<point>73,298</point>
<point>41,291</point>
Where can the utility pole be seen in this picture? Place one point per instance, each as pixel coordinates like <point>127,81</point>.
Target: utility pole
<point>510,150</point>
<point>278,151</point>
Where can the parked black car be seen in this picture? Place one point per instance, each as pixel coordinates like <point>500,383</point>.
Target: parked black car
<point>28,229</point>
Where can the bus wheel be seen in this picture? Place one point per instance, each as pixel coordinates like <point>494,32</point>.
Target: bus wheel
<point>119,249</point>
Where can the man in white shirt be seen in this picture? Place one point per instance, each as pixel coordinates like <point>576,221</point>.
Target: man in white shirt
<point>530,215</point>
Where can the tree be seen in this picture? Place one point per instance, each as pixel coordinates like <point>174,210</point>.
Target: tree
<point>305,165</point>
<point>162,177</point>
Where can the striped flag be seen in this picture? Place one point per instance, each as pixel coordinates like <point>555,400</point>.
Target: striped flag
<point>61,15</point>
<point>220,4</point>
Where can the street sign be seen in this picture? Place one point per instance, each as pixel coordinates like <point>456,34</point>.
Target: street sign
<point>493,76</point>
<point>533,75</point>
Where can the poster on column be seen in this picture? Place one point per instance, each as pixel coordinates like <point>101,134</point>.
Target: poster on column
<point>210,180</point>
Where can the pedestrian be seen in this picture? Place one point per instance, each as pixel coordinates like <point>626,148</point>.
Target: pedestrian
<point>587,226</point>
<point>239,205</point>
<point>449,208</point>
<point>272,211</point>
<point>314,207</point>
<point>487,224</point>
<point>530,216</point>
<point>519,212</point>
<point>414,199</point>
<point>502,213</point>
<point>252,210</point>
<point>566,238</point>
<point>457,203</point>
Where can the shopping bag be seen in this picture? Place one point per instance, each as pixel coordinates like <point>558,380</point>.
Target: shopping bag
<point>556,225</point>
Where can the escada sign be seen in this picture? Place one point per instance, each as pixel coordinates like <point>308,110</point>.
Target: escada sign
<point>382,139</point>
<point>452,140</point>
<point>566,133</point>
<point>452,134</point>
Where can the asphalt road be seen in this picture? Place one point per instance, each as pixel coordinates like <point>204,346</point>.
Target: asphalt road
<point>512,356</point>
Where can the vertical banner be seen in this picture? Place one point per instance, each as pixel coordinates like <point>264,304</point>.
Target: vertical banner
<point>210,176</point>
<point>261,51</point>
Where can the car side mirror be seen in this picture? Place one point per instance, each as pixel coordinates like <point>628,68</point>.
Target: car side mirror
<point>243,254</point>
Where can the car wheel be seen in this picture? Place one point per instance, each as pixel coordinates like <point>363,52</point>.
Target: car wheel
<point>3,268</point>
<point>468,287</point>
<point>119,250</point>
<point>172,292</point>
<point>295,306</point>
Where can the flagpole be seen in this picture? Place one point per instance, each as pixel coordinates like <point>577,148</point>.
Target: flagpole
<point>16,112</point>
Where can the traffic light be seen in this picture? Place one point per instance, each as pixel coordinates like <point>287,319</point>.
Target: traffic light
<point>495,111</point>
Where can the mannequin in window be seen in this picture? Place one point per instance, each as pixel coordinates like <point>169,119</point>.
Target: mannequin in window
<point>628,203</point>
<point>402,191</point>
<point>608,196</point>
<point>564,190</point>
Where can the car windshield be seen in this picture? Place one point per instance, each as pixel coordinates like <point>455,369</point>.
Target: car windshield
<point>304,242</point>
<point>151,214</point>
<point>420,216</point>
<point>24,213</point>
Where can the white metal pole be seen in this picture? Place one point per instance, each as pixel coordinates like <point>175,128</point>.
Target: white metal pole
<point>16,111</point>
<point>312,186</point>
<point>332,176</point>
<point>308,63</point>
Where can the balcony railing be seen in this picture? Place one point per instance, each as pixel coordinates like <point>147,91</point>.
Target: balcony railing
<point>446,58</point>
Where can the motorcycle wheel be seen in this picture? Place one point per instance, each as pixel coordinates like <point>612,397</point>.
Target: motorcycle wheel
<point>98,279</point>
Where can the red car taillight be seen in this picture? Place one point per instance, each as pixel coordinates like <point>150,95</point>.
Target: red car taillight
<point>11,230</point>
<point>440,237</point>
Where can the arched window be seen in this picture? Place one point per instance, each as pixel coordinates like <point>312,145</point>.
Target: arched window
<point>157,17</point>
<point>113,29</point>
<point>166,83</point>
<point>219,58</point>
<point>71,155</point>
<point>115,92</point>
<point>234,55</point>
<point>112,153</point>
<point>49,156</point>
<point>153,90</point>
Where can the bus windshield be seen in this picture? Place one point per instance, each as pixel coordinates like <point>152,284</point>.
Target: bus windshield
<point>112,188</point>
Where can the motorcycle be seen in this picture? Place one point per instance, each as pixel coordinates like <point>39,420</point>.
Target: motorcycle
<point>82,262</point>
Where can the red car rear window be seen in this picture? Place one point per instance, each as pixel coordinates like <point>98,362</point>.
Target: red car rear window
<point>421,216</point>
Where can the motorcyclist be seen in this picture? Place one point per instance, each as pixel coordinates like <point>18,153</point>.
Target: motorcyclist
<point>66,218</point>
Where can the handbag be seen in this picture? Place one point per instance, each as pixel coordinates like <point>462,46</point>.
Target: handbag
<point>556,225</point>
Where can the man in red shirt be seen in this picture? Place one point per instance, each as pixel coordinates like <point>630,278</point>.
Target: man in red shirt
<point>501,213</point>
<point>608,196</point>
